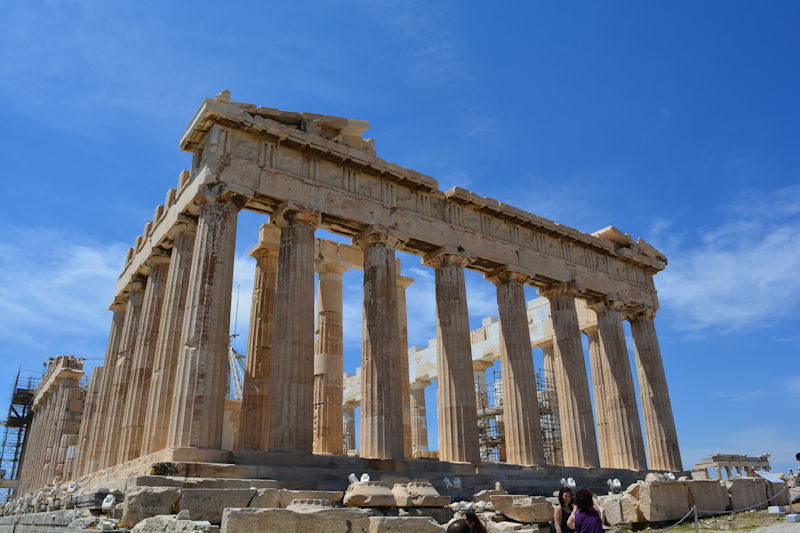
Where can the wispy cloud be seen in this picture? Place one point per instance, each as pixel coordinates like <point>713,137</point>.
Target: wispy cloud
<point>55,288</point>
<point>740,395</point>
<point>742,273</point>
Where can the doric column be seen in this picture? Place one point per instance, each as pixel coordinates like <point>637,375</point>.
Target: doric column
<point>168,346</point>
<point>381,380</point>
<point>132,431</point>
<point>253,424</point>
<point>120,371</point>
<point>548,359</point>
<point>88,420</point>
<point>349,423</point>
<point>659,425</point>
<point>479,367</point>
<point>523,429</point>
<point>624,429</point>
<point>291,373</point>
<point>600,393</point>
<point>419,416</point>
<point>458,424</point>
<point>198,405</point>
<point>579,441</point>
<point>328,363</point>
<point>403,282</point>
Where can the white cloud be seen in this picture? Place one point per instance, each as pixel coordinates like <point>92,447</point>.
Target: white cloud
<point>55,288</point>
<point>742,273</point>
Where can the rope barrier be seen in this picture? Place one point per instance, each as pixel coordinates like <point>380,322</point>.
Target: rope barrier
<point>679,522</point>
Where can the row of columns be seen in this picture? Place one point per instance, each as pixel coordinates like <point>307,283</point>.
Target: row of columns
<point>167,353</point>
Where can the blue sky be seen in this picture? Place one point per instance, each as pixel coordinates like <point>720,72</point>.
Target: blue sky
<point>674,121</point>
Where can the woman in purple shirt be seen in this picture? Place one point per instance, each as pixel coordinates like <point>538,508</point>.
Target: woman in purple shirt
<point>585,518</point>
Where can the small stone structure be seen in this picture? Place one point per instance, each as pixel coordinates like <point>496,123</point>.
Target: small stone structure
<point>742,465</point>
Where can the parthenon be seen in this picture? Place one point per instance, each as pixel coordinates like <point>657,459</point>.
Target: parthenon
<point>160,395</point>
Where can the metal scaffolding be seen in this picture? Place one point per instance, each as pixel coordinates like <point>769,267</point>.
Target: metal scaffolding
<point>15,431</point>
<point>490,417</point>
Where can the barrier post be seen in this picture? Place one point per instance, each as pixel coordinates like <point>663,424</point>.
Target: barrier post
<point>696,524</point>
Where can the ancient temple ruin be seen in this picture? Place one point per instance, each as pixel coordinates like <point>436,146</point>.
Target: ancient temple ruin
<point>160,396</point>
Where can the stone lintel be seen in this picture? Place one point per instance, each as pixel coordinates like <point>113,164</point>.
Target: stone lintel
<point>64,366</point>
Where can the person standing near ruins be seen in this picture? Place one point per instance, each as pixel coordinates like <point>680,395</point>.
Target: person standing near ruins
<point>563,511</point>
<point>585,518</point>
<point>474,523</point>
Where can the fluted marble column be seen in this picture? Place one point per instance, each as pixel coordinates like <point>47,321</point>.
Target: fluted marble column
<point>659,424</point>
<point>88,419</point>
<point>523,429</point>
<point>458,423</point>
<point>291,374</point>
<point>479,368</point>
<point>419,416</point>
<point>132,434</point>
<point>328,353</point>
<point>381,379</point>
<point>168,345</point>
<point>349,423</point>
<point>579,441</point>
<point>120,373</point>
<point>198,404</point>
<point>254,421</point>
<point>624,429</point>
<point>600,393</point>
<point>403,282</point>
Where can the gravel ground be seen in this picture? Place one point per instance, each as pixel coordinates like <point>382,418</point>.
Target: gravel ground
<point>784,527</point>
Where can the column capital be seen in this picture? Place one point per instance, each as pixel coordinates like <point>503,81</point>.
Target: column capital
<point>419,383</point>
<point>159,256</point>
<point>375,235</point>
<point>503,275</point>
<point>638,312</point>
<point>324,265</point>
<point>351,404</point>
<point>445,256</point>
<point>602,304</point>
<point>292,213</point>
<point>403,282</point>
<point>481,365</point>
<point>184,223</point>
<point>118,304</point>
<point>269,241</point>
<point>555,290</point>
<point>218,192</point>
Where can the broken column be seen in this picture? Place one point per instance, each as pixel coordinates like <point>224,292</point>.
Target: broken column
<point>381,380</point>
<point>659,424</point>
<point>572,385</point>
<point>523,431</point>
<point>254,421</point>
<point>419,416</point>
<point>458,431</point>
<point>624,430</point>
<point>349,423</point>
<point>291,373</point>
<point>328,353</point>
<point>403,282</point>
<point>198,405</point>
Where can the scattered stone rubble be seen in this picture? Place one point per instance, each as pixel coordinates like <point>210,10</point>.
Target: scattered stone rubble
<point>366,506</point>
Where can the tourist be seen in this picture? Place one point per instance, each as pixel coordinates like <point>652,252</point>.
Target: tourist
<point>585,518</point>
<point>562,511</point>
<point>474,523</point>
<point>458,526</point>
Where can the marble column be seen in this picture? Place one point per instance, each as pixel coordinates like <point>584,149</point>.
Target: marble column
<point>600,393</point>
<point>349,423</point>
<point>523,430</point>
<point>381,379</point>
<point>624,429</point>
<point>419,416</point>
<point>659,424</point>
<point>479,368</point>
<point>254,421</point>
<point>168,345</point>
<point>132,431</point>
<point>291,371</point>
<point>403,282</point>
<point>202,374</point>
<point>120,373</point>
<point>458,422</point>
<point>548,361</point>
<point>328,353</point>
<point>579,441</point>
<point>88,420</point>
